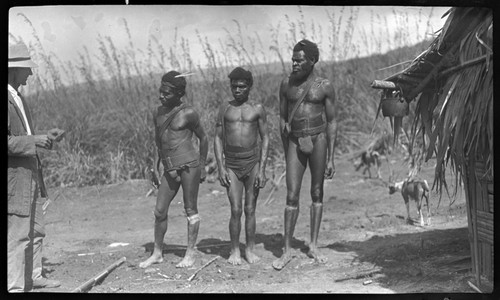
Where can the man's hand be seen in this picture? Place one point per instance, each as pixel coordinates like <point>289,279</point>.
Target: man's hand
<point>224,177</point>
<point>43,141</point>
<point>56,134</point>
<point>330,170</point>
<point>260,181</point>
<point>203,174</point>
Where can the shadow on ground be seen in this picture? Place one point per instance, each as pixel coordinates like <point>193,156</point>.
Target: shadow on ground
<point>413,259</point>
<point>273,243</point>
<point>177,250</point>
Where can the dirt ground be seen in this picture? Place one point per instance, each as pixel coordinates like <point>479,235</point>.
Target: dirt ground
<point>369,246</point>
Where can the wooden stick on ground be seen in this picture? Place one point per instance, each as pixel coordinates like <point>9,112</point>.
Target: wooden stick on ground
<point>202,267</point>
<point>197,247</point>
<point>90,283</point>
<point>359,275</point>
<point>474,287</point>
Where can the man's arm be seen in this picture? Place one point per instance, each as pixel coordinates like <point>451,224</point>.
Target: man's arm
<point>200,134</point>
<point>156,160</point>
<point>331,129</point>
<point>264,135</point>
<point>283,114</point>
<point>218,140</point>
<point>25,145</point>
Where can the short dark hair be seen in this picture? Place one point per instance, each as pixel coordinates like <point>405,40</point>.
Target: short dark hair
<point>240,73</point>
<point>179,83</point>
<point>310,49</point>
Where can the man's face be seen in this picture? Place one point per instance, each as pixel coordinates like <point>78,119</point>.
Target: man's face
<point>22,74</point>
<point>168,93</point>
<point>301,64</point>
<point>240,89</point>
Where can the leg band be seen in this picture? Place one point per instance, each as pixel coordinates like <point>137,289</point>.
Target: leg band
<point>194,219</point>
<point>289,207</point>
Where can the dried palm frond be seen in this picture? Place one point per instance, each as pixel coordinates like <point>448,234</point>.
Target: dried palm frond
<point>463,130</point>
<point>454,112</point>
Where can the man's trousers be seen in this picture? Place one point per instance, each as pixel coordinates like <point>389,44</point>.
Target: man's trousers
<point>24,247</point>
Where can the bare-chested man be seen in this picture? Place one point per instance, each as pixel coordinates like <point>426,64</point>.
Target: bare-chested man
<point>243,164</point>
<point>175,123</point>
<point>308,137</point>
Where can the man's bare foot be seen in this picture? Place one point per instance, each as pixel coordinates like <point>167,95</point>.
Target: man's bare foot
<point>318,257</point>
<point>187,261</point>
<point>281,262</point>
<point>153,259</point>
<point>235,258</point>
<point>251,257</point>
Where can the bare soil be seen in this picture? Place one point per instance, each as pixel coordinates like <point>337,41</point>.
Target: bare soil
<point>370,247</point>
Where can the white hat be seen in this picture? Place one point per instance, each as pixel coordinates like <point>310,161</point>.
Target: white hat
<point>19,57</point>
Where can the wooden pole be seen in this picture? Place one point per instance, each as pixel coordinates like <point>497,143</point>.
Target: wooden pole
<point>432,74</point>
<point>464,65</point>
<point>474,211</point>
<point>382,84</point>
<point>202,267</point>
<point>90,283</point>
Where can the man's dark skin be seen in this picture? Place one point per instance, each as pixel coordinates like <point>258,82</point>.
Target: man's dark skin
<point>319,100</point>
<point>183,125</point>
<point>244,122</point>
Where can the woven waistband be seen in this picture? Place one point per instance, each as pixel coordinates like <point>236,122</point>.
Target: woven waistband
<point>309,131</point>
<point>240,152</point>
<point>304,123</point>
<point>171,162</point>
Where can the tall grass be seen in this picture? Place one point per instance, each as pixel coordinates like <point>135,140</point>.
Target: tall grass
<point>106,107</point>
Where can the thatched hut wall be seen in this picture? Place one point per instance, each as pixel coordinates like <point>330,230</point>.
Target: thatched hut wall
<point>452,82</point>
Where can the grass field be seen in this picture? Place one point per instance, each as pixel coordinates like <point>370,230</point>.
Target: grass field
<point>106,107</point>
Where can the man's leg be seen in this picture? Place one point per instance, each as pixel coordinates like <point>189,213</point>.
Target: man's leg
<point>317,164</point>
<point>167,191</point>
<point>37,235</point>
<point>251,194</point>
<point>295,167</point>
<point>407,204</point>
<point>235,193</point>
<point>17,241</point>
<point>190,179</point>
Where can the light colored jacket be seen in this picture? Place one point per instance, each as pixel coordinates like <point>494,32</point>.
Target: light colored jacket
<point>24,167</point>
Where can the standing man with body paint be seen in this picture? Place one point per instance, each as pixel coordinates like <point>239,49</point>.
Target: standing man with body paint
<point>25,187</point>
<point>240,161</point>
<point>175,123</point>
<point>308,132</point>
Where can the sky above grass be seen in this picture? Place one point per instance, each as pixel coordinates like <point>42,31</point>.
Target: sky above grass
<point>65,30</point>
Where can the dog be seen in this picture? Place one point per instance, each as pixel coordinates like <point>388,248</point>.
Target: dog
<point>416,190</point>
<point>366,159</point>
<point>377,149</point>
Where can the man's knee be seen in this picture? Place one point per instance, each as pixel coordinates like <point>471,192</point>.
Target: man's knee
<point>317,194</point>
<point>237,211</point>
<point>160,215</point>
<point>292,197</point>
<point>193,219</point>
<point>190,210</point>
<point>292,201</point>
<point>249,210</point>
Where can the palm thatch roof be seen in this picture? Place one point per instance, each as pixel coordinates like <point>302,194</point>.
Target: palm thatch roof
<point>452,82</point>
